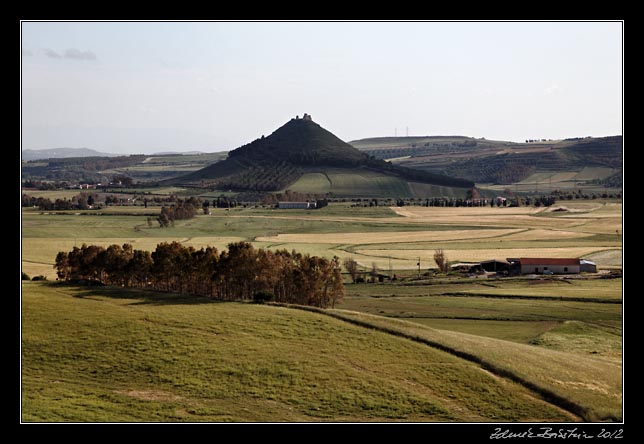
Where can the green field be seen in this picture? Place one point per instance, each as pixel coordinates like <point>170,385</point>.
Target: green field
<point>350,183</point>
<point>364,183</point>
<point>116,355</point>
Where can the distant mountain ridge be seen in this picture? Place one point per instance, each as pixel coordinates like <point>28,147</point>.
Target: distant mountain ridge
<point>63,153</point>
<point>276,161</point>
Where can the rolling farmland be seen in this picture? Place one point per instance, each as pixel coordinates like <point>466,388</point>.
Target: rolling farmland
<point>548,320</point>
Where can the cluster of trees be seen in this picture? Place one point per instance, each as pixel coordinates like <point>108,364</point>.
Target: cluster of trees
<point>241,273</point>
<point>184,209</point>
<point>541,201</point>
<point>225,202</point>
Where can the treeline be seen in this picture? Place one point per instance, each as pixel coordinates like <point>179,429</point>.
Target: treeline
<point>579,194</point>
<point>241,273</point>
<point>82,201</point>
<point>516,201</point>
<point>44,185</point>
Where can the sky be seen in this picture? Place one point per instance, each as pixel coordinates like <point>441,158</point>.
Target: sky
<point>144,87</point>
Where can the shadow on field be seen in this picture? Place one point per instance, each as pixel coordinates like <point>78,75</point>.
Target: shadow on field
<point>140,296</point>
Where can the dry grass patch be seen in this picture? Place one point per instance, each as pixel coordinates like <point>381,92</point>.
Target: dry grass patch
<point>388,237</point>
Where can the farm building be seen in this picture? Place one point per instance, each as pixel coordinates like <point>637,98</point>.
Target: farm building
<point>586,266</point>
<point>529,265</point>
<point>495,265</point>
<point>296,205</point>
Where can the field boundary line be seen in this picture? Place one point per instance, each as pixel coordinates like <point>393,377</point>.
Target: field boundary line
<point>458,294</point>
<point>544,393</point>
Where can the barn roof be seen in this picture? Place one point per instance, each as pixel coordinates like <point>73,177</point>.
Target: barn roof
<point>548,261</point>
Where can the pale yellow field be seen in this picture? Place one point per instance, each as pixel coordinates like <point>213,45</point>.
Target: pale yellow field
<point>484,217</point>
<point>588,217</point>
<point>384,238</point>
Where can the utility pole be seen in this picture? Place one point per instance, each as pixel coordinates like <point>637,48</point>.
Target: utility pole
<point>407,130</point>
<point>418,267</point>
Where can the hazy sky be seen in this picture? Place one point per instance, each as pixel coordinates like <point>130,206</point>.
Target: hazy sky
<point>144,86</point>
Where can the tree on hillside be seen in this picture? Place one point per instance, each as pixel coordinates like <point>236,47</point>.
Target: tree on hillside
<point>352,267</point>
<point>441,260</point>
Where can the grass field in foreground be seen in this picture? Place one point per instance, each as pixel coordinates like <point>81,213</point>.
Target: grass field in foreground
<point>109,354</point>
